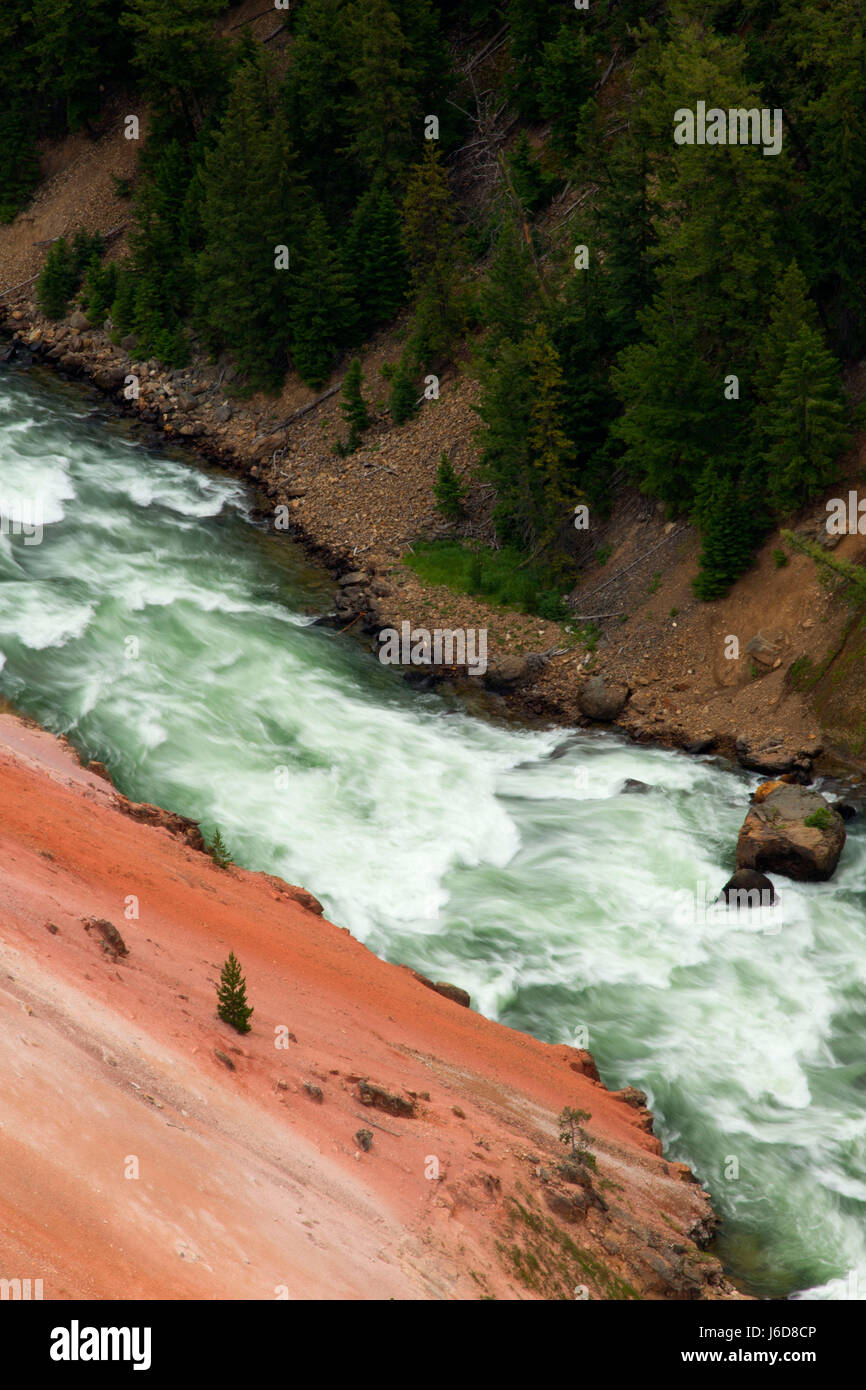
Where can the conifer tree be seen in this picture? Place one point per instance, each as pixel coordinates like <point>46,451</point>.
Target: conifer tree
<point>322,309</point>
<point>804,424</point>
<point>433,248</point>
<point>375,260</point>
<point>380,107</point>
<point>251,207</point>
<point>232,996</point>
<point>353,406</point>
<point>449,491</point>
<point>551,452</point>
<point>532,186</point>
<point>180,64</point>
<point>732,521</point>
<point>509,297</point>
<point>791,310</point>
<point>403,398</point>
<point>56,283</point>
<point>566,77</point>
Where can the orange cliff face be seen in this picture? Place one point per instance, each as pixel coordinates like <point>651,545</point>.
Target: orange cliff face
<point>149,1151</point>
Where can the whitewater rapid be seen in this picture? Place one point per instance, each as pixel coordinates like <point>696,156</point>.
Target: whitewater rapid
<point>161,627</point>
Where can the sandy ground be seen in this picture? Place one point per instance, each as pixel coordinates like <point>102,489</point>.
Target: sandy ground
<point>136,1164</point>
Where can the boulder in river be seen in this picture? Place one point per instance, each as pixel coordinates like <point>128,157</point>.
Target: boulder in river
<point>793,831</point>
<point>602,699</point>
<point>632,786</point>
<point>748,888</point>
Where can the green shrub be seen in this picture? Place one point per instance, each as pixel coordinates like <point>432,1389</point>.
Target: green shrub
<point>822,819</point>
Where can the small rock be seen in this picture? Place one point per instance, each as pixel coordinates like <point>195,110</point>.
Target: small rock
<point>314,1092</point>
<point>224,1058</point>
<point>364,1139</point>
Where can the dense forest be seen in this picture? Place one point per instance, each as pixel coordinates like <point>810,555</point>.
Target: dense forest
<point>676,316</point>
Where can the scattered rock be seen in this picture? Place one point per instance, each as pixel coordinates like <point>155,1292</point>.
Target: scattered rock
<point>364,1139</point>
<point>368,1094</point>
<point>52,927</point>
<point>114,942</point>
<point>224,1058</point>
<point>461,1114</point>
<point>314,1092</point>
<point>776,838</point>
<point>765,650</point>
<point>602,700</point>
<point>355,577</point>
<point>78,321</point>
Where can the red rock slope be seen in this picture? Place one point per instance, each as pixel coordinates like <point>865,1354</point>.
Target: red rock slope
<point>250,1185</point>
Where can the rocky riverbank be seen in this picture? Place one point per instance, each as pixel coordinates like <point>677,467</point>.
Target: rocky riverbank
<point>541,669</point>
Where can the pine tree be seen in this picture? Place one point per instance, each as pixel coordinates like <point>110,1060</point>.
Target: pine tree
<point>551,452</point>
<point>791,310</point>
<point>252,205</point>
<point>509,298</point>
<point>532,186</point>
<point>322,310</point>
<point>804,425</point>
<point>79,42</point>
<point>180,64</point>
<point>232,995</point>
<point>353,406</point>
<point>403,399</point>
<point>57,280</point>
<point>375,260</point>
<point>449,491</point>
<point>731,520</point>
<point>380,106</point>
<point>567,75</point>
<point>435,257</point>
<point>532,24</point>
<point>507,396</point>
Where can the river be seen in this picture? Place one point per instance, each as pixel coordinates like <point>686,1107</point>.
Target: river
<point>162,627</point>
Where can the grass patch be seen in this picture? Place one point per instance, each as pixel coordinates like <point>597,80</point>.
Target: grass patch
<point>545,1259</point>
<point>501,576</point>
